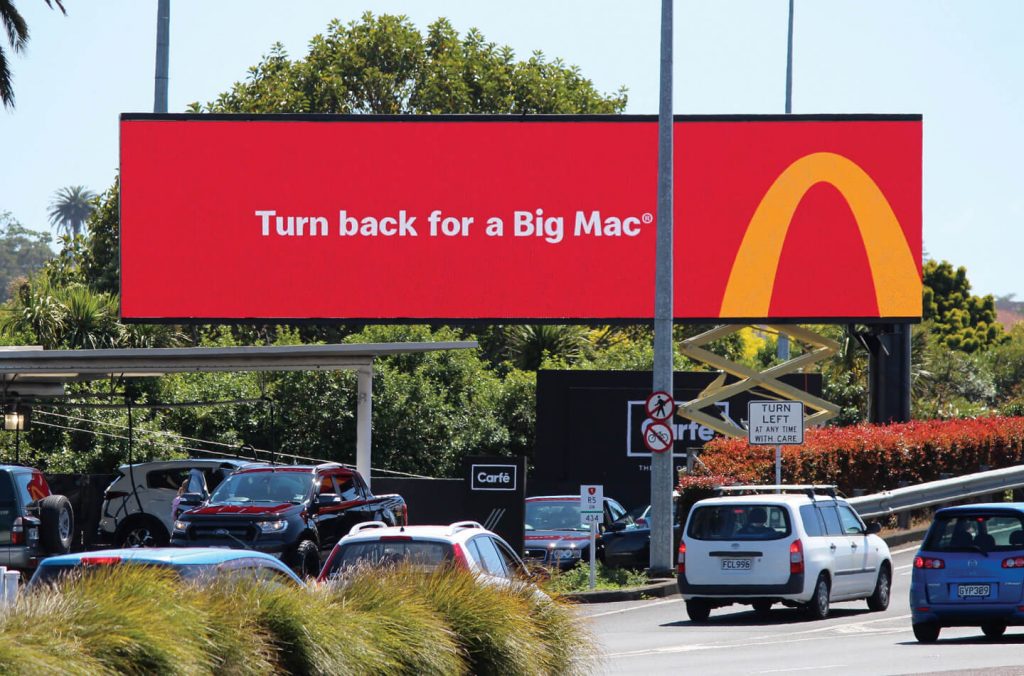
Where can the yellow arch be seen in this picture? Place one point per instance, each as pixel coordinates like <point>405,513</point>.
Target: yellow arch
<point>748,292</point>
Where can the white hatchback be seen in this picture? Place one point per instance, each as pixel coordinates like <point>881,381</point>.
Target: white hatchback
<point>801,547</point>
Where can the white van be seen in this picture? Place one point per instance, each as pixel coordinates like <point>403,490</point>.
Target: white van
<point>801,547</point>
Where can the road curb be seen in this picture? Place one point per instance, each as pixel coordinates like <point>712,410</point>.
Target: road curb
<point>659,589</point>
<point>665,588</point>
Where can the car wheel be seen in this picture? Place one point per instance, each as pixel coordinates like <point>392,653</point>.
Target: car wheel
<point>698,611</point>
<point>879,599</point>
<point>926,632</point>
<point>762,607</point>
<point>306,561</point>
<point>817,607</point>
<point>142,532</point>
<point>56,524</point>
<point>993,629</point>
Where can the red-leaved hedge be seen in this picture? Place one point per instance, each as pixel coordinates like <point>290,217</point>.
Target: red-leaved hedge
<point>876,457</point>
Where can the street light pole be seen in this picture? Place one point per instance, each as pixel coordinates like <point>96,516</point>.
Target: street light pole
<point>662,479</point>
<point>163,48</point>
<point>782,346</point>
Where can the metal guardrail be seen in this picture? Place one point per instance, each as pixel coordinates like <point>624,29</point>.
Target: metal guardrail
<point>938,492</point>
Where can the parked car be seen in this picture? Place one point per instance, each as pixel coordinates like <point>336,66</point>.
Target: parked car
<point>627,544</point>
<point>191,564</point>
<point>802,550</point>
<point>292,511</point>
<point>466,544</point>
<point>34,523</point>
<point>556,537</point>
<point>142,517</point>
<point>970,571</point>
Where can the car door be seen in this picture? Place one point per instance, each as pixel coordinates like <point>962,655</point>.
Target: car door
<point>862,559</point>
<point>843,583</point>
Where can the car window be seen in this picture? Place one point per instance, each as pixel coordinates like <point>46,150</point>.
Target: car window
<point>988,532</point>
<point>513,563</point>
<point>346,487</point>
<point>740,522</point>
<point>616,510</point>
<point>474,553</point>
<point>554,515</point>
<point>382,552</point>
<point>31,487</point>
<point>851,524</point>
<point>263,486</point>
<point>8,508</point>
<point>326,485</point>
<point>833,526</point>
<point>490,557</point>
<point>813,523</point>
<point>170,479</point>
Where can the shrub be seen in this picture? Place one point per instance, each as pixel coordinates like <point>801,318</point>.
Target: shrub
<point>577,578</point>
<point>876,457</point>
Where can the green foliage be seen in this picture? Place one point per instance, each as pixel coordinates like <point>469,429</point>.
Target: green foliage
<point>70,209</point>
<point>22,251</point>
<point>384,65</point>
<point>577,578</point>
<point>100,261</point>
<point>962,321</point>
<point>17,35</point>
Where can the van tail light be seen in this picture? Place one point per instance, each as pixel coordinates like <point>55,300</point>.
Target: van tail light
<point>460,557</point>
<point>1014,562</point>
<point>796,557</point>
<point>100,560</point>
<point>18,532</point>
<point>929,562</point>
<point>681,559</point>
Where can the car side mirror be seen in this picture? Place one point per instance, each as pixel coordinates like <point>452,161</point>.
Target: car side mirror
<point>873,527</point>
<point>190,500</point>
<point>327,499</point>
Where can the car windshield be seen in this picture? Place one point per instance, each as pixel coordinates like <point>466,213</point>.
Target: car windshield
<point>554,515</point>
<point>739,522</point>
<point>976,531</point>
<point>263,486</point>
<point>386,552</point>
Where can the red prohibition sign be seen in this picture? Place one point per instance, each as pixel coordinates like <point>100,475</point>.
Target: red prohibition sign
<point>658,437</point>
<point>660,406</point>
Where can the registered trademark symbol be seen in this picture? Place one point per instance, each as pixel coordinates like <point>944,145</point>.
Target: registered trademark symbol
<point>647,217</point>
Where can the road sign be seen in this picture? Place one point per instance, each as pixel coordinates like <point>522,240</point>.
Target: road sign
<point>592,514</point>
<point>660,406</point>
<point>658,436</point>
<point>591,499</point>
<point>774,423</point>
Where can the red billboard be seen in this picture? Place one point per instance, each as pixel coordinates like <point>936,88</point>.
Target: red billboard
<point>506,218</point>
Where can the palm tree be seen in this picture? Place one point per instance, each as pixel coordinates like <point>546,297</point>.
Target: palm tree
<point>17,34</point>
<point>71,207</point>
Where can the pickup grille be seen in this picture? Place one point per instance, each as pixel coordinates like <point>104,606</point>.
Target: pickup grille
<point>217,532</point>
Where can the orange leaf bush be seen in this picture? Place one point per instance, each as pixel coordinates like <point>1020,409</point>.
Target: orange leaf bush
<point>876,457</point>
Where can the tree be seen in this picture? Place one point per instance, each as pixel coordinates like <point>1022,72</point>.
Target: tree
<point>382,64</point>
<point>17,35</point>
<point>70,209</point>
<point>960,320</point>
<point>22,251</point>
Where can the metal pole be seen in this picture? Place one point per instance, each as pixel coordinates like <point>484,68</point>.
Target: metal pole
<point>662,479</point>
<point>364,431</point>
<point>782,345</point>
<point>593,562</point>
<point>163,48</point>
<point>778,467</point>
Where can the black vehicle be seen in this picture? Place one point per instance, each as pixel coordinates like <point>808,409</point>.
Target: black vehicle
<point>33,522</point>
<point>295,512</point>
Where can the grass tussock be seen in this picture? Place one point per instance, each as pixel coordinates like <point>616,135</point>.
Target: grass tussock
<point>140,620</point>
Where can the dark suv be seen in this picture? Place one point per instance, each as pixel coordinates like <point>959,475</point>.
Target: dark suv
<point>33,522</point>
<point>295,512</point>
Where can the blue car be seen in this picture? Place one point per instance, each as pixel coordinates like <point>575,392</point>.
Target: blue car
<point>196,563</point>
<point>970,571</point>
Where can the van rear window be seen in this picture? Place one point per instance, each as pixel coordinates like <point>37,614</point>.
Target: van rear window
<point>739,522</point>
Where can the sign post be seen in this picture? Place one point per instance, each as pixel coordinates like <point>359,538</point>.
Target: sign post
<point>592,513</point>
<point>774,423</point>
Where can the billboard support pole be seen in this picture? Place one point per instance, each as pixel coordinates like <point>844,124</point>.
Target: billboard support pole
<point>782,347</point>
<point>662,481</point>
<point>364,431</point>
<point>163,48</point>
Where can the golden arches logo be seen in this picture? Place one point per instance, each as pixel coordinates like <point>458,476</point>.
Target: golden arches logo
<point>748,292</point>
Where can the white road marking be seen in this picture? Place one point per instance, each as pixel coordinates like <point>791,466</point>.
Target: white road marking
<point>791,669</point>
<point>626,610</point>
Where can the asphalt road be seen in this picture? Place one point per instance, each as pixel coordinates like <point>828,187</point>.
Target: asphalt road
<point>655,637</point>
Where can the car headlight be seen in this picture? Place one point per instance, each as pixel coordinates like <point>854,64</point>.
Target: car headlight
<point>273,526</point>
<point>180,526</point>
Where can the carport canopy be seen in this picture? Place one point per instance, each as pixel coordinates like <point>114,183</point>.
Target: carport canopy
<point>32,373</point>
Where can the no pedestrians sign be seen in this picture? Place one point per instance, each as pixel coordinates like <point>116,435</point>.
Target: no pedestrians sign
<point>775,423</point>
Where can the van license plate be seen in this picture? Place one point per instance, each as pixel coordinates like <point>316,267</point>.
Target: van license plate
<point>973,590</point>
<point>736,564</point>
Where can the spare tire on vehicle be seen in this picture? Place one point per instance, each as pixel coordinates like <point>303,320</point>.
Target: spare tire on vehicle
<point>56,524</point>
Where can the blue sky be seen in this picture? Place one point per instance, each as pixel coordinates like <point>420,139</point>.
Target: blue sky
<point>960,64</point>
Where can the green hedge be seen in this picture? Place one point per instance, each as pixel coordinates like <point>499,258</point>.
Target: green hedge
<point>139,620</point>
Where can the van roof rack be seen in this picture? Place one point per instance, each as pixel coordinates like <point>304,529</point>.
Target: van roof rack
<point>810,490</point>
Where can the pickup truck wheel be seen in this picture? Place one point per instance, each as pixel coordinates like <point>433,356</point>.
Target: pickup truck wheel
<point>56,524</point>
<point>306,560</point>
<point>142,531</point>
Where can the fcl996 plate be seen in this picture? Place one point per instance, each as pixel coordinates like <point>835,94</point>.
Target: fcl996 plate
<point>737,564</point>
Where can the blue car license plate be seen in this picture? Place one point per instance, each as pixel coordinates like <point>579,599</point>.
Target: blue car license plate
<point>966,591</point>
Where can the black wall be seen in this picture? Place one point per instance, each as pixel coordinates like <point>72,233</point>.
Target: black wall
<point>588,428</point>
